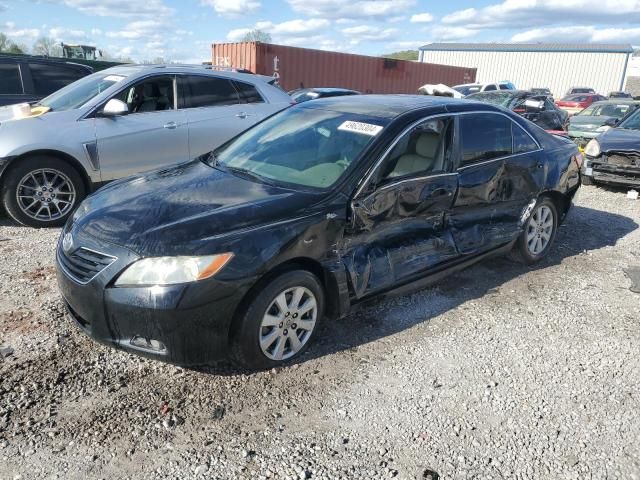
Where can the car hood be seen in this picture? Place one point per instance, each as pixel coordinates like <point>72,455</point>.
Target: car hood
<point>177,210</point>
<point>20,111</point>
<point>588,122</point>
<point>619,139</point>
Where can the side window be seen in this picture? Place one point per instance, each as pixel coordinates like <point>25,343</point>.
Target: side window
<point>208,91</point>
<point>505,86</point>
<point>426,149</point>
<point>522,142</point>
<point>248,93</point>
<point>489,88</point>
<point>10,80</point>
<point>48,78</point>
<point>484,136</point>
<point>150,95</point>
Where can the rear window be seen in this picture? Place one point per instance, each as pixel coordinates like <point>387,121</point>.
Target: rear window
<point>576,98</point>
<point>484,136</point>
<point>248,93</point>
<point>211,92</point>
<point>10,81</point>
<point>48,78</point>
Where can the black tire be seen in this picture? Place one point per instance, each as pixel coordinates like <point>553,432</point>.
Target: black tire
<point>521,251</point>
<point>245,338</point>
<point>22,168</point>
<point>587,180</point>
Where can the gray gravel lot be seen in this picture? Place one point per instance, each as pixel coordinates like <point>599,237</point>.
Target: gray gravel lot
<point>501,372</point>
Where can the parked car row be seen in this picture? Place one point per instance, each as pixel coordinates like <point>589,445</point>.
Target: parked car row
<point>118,122</point>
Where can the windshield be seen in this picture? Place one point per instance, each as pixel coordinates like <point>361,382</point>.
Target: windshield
<point>499,99</point>
<point>467,90</point>
<point>302,146</point>
<point>632,122</point>
<point>606,110</point>
<point>582,90</point>
<point>80,92</point>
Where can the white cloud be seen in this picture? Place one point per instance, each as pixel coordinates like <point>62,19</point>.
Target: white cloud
<point>447,33</point>
<point>66,34</point>
<point>421,18</point>
<point>574,34</point>
<point>233,8</point>
<point>525,13</point>
<point>121,8</point>
<point>19,34</point>
<point>359,9</point>
<point>143,29</point>
<point>368,33</point>
<point>285,31</point>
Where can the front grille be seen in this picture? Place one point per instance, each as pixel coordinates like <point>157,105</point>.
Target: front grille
<point>83,264</point>
<point>620,161</point>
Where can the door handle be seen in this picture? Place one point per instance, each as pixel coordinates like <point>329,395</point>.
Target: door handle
<point>242,115</point>
<point>540,165</point>
<point>171,125</point>
<point>441,192</point>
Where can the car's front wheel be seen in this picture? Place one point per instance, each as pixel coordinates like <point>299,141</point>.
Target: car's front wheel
<point>279,322</point>
<point>42,191</point>
<point>539,232</point>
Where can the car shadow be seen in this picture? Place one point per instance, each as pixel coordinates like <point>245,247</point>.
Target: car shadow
<point>584,229</point>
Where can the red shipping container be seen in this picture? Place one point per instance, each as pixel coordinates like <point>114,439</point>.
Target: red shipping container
<point>303,67</point>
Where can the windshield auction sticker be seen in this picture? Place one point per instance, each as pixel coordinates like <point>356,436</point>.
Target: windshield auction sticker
<point>359,127</point>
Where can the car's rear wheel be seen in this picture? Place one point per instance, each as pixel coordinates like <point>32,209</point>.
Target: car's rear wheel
<point>42,191</point>
<point>539,232</point>
<point>280,321</point>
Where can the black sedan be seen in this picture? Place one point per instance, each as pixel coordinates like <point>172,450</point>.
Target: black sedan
<point>613,157</point>
<point>312,212</point>
<point>537,108</point>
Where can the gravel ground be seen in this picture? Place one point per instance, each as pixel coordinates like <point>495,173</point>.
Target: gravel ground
<point>500,372</point>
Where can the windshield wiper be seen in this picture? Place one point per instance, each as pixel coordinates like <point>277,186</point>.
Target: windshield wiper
<point>246,173</point>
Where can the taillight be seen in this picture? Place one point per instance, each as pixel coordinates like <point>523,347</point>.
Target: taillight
<point>519,110</point>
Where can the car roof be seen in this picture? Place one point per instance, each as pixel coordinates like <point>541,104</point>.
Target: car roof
<point>137,69</point>
<point>617,101</point>
<point>382,106</point>
<point>45,60</point>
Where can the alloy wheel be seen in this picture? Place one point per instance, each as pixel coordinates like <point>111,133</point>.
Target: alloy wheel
<point>288,323</point>
<point>540,230</point>
<point>45,194</point>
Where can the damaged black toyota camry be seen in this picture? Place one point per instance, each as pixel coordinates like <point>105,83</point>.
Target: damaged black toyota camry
<point>312,212</point>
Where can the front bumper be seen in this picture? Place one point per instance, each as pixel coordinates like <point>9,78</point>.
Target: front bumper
<point>602,171</point>
<point>184,324</point>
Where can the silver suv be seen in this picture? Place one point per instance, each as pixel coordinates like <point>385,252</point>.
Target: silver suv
<point>118,122</point>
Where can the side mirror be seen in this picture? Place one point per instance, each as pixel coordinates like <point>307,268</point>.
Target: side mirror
<point>115,108</point>
<point>611,122</point>
<point>531,104</point>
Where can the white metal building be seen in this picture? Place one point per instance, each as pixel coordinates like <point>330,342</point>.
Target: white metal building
<point>552,65</point>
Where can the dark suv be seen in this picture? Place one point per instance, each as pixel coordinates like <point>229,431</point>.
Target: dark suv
<point>29,79</point>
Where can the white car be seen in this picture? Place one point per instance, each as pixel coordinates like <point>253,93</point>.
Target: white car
<point>118,122</point>
<point>469,88</point>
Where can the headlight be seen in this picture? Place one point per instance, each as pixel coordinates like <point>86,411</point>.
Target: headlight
<point>80,212</point>
<point>593,148</point>
<point>603,128</point>
<point>172,270</point>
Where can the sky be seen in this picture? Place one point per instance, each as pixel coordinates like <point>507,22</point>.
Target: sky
<point>184,30</point>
